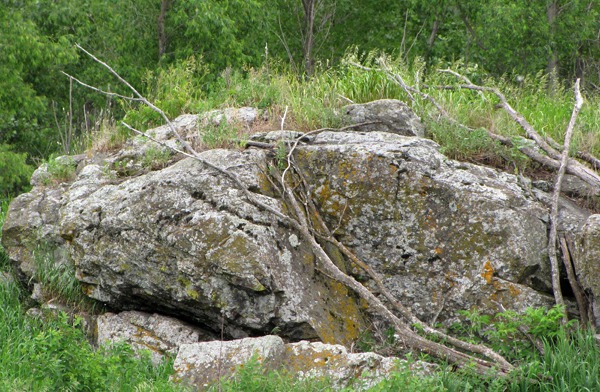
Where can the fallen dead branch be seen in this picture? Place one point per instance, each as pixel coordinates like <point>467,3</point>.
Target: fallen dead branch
<point>552,236</point>
<point>550,159</point>
<point>298,220</point>
<point>572,167</point>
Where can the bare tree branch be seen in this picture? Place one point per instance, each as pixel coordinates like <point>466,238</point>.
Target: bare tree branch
<point>574,167</point>
<point>107,93</point>
<point>142,99</point>
<point>552,236</point>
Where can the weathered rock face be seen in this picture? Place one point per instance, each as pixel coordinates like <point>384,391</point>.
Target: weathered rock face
<point>200,364</point>
<point>158,334</point>
<point>393,116</point>
<point>445,234</point>
<point>587,263</point>
<point>183,241</point>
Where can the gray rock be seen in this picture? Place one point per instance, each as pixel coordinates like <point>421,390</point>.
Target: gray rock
<point>275,136</point>
<point>395,117</point>
<point>587,263</point>
<point>159,334</point>
<point>244,115</point>
<point>184,242</point>
<point>574,186</point>
<point>446,235</point>
<point>200,364</point>
<point>360,371</point>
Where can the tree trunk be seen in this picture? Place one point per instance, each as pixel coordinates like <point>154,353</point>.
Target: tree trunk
<point>552,67</point>
<point>433,36</point>
<point>309,35</point>
<point>162,36</point>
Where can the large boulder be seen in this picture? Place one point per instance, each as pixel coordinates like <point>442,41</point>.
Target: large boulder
<point>446,235</point>
<point>183,240</point>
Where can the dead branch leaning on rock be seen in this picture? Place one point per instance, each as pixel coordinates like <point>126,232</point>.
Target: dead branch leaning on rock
<point>498,365</point>
<point>574,167</point>
<point>552,160</point>
<point>552,236</point>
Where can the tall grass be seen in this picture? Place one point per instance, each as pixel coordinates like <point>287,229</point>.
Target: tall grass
<point>316,102</point>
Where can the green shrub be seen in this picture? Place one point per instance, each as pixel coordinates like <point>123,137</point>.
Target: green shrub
<point>156,157</point>
<point>58,170</point>
<point>14,172</point>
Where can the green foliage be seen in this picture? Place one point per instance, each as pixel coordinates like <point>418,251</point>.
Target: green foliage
<point>14,172</point>
<point>4,261</point>
<point>176,90</point>
<point>59,169</point>
<point>54,354</point>
<point>506,331</point>
<point>27,57</point>
<point>58,279</point>
<point>572,362</point>
<point>230,33</point>
<point>156,158</point>
<point>281,153</point>
<point>221,135</point>
<point>406,380</point>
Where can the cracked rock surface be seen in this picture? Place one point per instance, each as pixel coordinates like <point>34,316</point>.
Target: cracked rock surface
<point>182,241</point>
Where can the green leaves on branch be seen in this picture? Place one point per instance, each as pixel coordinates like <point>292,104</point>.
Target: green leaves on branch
<point>14,172</point>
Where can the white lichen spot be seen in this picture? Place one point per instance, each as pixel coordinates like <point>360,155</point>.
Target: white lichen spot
<point>453,207</point>
<point>294,241</point>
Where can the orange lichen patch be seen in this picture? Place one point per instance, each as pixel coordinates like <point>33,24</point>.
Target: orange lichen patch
<point>438,251</point>
<point>303,359</point>
<point>488,272</point>
<point>342,322</point>
<point>514,290</point>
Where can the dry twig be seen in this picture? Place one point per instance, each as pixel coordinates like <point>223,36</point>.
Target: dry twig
<point>552,236</point>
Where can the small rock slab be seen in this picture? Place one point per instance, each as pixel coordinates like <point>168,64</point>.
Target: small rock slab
<point>159,334</point>
<point>394,116</point>
<point>318,360</point>
<point>201,364</point>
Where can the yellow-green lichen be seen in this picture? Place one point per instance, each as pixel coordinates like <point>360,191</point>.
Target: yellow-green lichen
<point>193,294</point>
